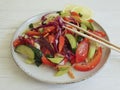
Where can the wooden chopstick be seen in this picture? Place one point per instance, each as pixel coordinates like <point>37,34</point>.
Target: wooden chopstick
<point>96,39</point>
<point>91,34</point>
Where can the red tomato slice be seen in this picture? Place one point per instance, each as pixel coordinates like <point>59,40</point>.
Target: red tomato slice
<point>68,31</point>
<point>99,33</point>
<point>82,51</point>
<point>89,66</point>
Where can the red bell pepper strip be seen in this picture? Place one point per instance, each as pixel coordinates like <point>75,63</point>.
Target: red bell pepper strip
<point>47,62</point>
<point>48,29</point>
<point>45,35</point>
<point>82,50</point>
<point>33,33</point>
<point>91,20</point>
<point>61,43</point>
<point>51,38</point>
<point>68,31</point>
<point>89,66</point>
<point>29,41</point>
<point>17,42</point>
<point>74,14</point>
<point>68,19</point>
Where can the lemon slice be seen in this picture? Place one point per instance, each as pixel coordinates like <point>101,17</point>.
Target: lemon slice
<point>84,11</point>
<point>69,7</point>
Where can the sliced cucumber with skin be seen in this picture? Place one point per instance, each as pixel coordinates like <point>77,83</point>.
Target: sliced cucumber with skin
<point>26,51</point>
<point>62,72</point>
<point>83,26</point>
<point>72,41</point>
<point>38,55</point>
<point>56,60</point>
<point>30,61</point>
<point>92,50</point>
<point>88,24</point>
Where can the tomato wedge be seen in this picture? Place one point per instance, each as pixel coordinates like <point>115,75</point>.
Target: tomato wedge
<point>82,50</point>
<point>89,66</point>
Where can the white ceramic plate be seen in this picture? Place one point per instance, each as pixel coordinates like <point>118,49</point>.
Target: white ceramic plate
<point>45,73</point>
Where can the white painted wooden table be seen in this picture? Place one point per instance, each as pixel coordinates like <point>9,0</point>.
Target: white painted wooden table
<point>14,12</point>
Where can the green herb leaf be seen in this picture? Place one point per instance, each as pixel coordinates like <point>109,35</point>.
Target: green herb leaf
<point>31,26</point>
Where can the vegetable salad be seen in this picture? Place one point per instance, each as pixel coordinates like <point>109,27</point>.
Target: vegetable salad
<point>47,42</point>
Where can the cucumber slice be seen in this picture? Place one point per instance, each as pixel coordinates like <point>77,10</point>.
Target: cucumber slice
<point>56,60</point>
<point>83,26</point>
<point>62,72</point>
<point>88,24</point>
<point>30,61</point>
<point>38,55</point>
<point>92,50</point>
<point>26,51</point>
<point>72,41</point>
